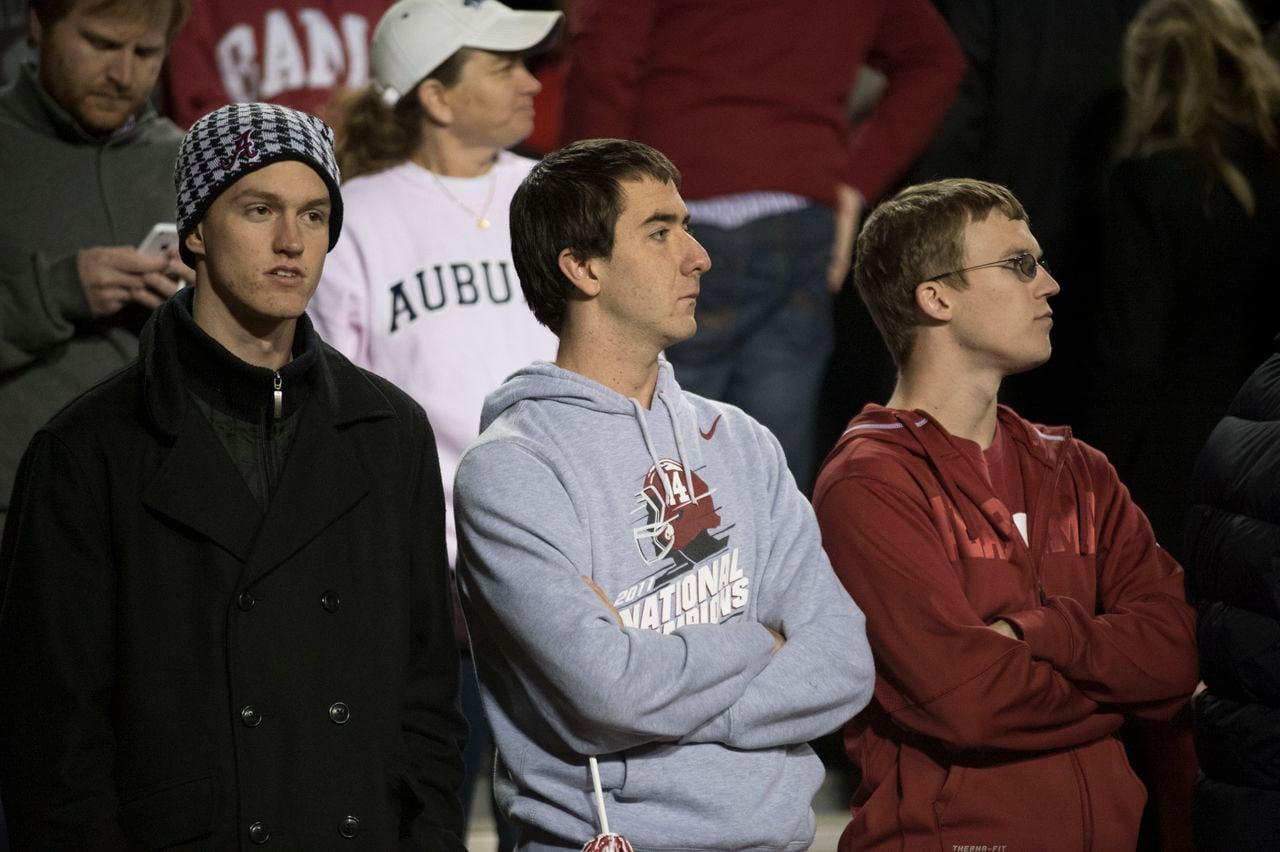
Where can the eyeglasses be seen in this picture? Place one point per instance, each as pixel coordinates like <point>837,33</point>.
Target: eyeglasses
<point>1023,264</point>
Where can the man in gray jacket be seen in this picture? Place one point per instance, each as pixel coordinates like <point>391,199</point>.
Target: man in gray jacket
<point>643,582</point>
<point>86,167</point>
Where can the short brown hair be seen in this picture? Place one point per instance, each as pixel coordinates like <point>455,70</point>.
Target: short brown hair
<point>913,237</point>
<point>49,12</point>
<point>572,200</point>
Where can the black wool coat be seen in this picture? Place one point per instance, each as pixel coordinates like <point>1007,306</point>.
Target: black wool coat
<point>185,670</point>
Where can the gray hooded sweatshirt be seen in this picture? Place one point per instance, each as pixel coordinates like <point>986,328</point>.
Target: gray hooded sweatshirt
<point>686,517</point>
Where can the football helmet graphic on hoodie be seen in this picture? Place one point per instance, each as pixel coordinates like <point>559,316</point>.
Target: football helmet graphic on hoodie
<point>679,514</point>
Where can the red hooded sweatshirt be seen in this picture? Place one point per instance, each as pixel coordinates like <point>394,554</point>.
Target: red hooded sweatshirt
<point>975,740</point>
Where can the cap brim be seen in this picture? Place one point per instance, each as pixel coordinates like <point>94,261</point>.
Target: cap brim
<point>520,32</point>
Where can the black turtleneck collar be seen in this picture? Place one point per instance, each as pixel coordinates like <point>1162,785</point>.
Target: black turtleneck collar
<point>177,358</point>
<point>235,387</point>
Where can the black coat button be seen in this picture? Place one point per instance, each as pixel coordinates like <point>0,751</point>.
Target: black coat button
<point>330,601</point>
<point>251,716</point>
<point>245,601</point>
<point>259,833</point>
<point>349,827</point>
<point>339,713</point>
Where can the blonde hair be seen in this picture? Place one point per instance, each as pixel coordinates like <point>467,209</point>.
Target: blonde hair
<point>1193,69</point>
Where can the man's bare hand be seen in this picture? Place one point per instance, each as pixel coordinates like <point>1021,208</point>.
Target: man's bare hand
<point>113,276</point>
<point>1004,628</point>
<point>599,591</point>
<point>161,286</point>
<point>778,640</point>
<point>848,215</point>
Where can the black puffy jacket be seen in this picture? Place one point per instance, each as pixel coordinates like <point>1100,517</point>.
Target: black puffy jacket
<point>1233,574</point>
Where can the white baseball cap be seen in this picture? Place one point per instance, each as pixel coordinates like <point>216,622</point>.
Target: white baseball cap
<point>414,37</point>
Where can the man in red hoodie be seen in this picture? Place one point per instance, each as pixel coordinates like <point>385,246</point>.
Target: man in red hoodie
<point>1017,603</point>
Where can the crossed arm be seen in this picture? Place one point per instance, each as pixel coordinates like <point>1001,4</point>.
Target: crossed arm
<point>1136,646</point>
<point>603,687</point>
<point>1051,677</point>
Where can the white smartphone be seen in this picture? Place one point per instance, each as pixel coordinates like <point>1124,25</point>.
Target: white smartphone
<point>163,236</point>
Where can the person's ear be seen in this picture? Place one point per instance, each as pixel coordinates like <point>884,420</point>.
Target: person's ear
<point>433,97</point>
<point>195,242</point>
<point>934,299</point>
<point>581,272</point>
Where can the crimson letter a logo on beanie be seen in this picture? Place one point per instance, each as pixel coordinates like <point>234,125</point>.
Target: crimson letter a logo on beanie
<point>243,146</point>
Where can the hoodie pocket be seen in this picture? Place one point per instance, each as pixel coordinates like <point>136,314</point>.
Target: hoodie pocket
<point>169,814</point>
<point>1020,804</point>
<point>743,799</point>
<point>1116,795</point>
<point>613,771</point>
<point>643,775</point>
<point>950,788</point>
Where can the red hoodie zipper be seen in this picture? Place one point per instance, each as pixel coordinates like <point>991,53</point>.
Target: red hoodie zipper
<point>1038,535</point>
<point>1040,526</point>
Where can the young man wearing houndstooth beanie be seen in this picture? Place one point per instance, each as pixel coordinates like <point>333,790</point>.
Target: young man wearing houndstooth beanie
<point>226,618</point>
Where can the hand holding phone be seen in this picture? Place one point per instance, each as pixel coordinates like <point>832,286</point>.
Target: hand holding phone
<point>162,241</point>
<point>163,236</point>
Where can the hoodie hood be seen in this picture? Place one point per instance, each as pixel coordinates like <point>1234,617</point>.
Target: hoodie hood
<point>952,459</point>
<point>918,432</point>
<point>543,380</point>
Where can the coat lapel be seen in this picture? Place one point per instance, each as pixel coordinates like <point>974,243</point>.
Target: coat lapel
<point>199,487</point>
<point>321,482</point>
<point>198,484</point>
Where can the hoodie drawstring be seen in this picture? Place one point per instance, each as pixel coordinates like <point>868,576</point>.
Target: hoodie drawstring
<point>653,454</point>
<point>684,465</point>
<point>936,447</point>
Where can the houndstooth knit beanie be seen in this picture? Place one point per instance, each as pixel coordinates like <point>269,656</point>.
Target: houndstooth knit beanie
<point>236,139</point>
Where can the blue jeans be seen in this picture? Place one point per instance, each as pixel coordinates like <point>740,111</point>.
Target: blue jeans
<point>765,327</point>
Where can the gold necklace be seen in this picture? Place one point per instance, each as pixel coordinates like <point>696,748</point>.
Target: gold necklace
<point>482,221</point>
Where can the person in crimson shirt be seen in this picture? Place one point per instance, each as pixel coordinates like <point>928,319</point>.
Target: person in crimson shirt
<point>1017,603</point>
<point>290,52</point>
<point>756,118</point>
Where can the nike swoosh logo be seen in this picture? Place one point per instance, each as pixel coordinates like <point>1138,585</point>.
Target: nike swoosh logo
<point>707,435</point>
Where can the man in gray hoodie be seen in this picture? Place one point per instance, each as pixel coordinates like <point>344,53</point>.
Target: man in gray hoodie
<point>642,580</point>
